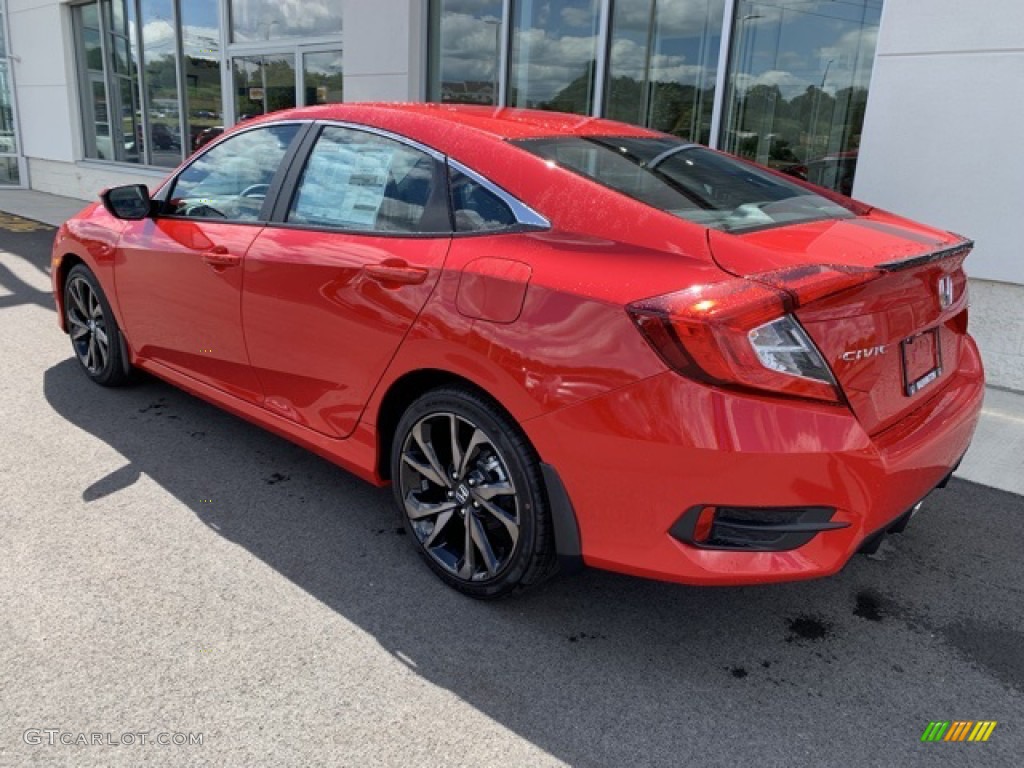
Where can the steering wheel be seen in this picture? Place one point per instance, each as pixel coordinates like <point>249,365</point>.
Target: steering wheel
<point>255,190</point>
<point>202,210</point>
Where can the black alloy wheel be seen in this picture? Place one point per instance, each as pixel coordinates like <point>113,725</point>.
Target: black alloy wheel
<point>469,489</point>
<point>95,337</point>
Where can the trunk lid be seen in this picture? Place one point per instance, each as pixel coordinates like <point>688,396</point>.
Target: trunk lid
<point>893,340</point>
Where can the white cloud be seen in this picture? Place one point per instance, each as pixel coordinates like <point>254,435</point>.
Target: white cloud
<point>268,19</point>
<point>469,47</point>
<point>675,19</point>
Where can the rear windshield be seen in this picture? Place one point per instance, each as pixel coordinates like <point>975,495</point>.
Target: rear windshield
<point>688,181</point>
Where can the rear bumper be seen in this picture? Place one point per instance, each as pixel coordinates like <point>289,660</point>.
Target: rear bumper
<point>633,461</point>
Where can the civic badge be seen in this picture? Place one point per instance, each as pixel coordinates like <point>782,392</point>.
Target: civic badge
<point>945,291</point>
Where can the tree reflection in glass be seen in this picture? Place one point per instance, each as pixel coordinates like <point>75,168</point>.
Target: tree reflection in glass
<point>799,84</point>
<point>662,64</point>
<point>554,53</point>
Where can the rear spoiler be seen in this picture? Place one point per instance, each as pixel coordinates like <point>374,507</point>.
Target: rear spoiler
<point>963,248</point>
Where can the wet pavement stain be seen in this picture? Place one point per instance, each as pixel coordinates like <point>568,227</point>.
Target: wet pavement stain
<point>806,627</point>
<point>584,636</point>
<point>869,606</point>
<point>998,650</point>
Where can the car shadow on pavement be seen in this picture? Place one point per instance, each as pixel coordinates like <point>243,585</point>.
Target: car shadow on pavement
<point>19,249</point>
<point>594,668</point>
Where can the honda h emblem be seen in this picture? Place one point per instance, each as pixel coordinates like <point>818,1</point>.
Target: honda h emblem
<point>945,291</point>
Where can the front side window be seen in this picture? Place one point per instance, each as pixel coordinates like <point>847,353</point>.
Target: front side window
<point>231,181</point>
<point>360,181</point>
<point>689,181</point>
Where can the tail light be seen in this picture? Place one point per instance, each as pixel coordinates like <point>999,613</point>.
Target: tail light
<point>740,333</point>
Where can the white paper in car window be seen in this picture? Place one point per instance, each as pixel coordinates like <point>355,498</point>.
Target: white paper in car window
<point>344,186</point>
<point>366,186</point>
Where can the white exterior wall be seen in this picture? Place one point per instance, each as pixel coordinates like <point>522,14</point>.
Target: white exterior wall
<point>40,42</point>
<point>939,145</point>
<point>384,49</point>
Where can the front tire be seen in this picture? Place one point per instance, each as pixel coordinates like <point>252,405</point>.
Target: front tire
<point>95,335</point>
<point>468,486</point>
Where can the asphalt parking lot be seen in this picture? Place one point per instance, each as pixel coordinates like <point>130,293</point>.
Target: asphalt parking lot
<point>168,568</point>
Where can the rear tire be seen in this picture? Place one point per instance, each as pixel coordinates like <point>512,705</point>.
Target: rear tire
<point>95,336</point>
<point>469,489</point>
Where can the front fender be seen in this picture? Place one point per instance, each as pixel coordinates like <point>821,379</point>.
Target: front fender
<point>91,238</point>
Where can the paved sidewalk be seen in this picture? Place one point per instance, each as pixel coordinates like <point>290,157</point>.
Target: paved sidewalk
<point>996,458</point>
<point>49,209</point>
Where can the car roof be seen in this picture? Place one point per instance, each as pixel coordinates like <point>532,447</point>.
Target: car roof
<point>498,122</point>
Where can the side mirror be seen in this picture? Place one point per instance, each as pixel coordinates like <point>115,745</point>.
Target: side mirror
<point>128,202</point>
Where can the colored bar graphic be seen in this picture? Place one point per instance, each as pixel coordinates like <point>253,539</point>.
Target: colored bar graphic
<point>959,730</point>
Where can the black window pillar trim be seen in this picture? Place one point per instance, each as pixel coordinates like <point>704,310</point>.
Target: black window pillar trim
<point>293,167</point>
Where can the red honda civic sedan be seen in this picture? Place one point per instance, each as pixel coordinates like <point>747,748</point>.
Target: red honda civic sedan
<point>560,339</point>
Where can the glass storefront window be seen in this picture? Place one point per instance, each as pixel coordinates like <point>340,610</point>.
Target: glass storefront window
<point>465,40</point>
<point>793,96</point>
<point>263,84</point>
<point>259,20</point>
<point>159,47</point>
<point>151,72</point>
<point>799,85</point>
<point>554,53</point>
<point>200,45</point>
<point>322,77</point>
<point>662,64</point>
<point>107,46</point>
<point>8,138</point>
<point>9,171</point>
<point>126,109</point>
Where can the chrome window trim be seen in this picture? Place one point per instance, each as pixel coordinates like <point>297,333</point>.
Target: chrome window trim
<point>439,156</point>
<point>525,215</point>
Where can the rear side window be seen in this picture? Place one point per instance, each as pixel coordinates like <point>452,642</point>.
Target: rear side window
<point>360,181</point>
<point>475,208</point>
<point>689,181</point>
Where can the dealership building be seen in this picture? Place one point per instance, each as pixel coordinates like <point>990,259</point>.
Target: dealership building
<point>906,104</point>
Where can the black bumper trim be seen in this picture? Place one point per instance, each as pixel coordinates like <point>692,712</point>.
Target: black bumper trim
<point>563,521</point>
<point>756,529</point>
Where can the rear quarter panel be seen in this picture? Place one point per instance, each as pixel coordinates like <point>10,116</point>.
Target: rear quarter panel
<point>573,339</point>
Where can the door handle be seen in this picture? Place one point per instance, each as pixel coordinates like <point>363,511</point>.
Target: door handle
<point>218,256</point>
<point>396,271</point>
